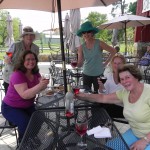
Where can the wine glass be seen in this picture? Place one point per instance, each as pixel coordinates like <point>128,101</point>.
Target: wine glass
<point>46,76</point>
<point>76,89</point>
<point>9,54</point>
<point>103,79</point>
<point>74,63</point>
<point>81,128</point>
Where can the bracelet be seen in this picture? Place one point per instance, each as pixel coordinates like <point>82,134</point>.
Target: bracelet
<point>147,140</point>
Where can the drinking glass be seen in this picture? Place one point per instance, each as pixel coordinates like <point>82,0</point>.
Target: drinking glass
<point>74,63</point>
<point>81,128</point>
<point>46,76</point>
<point>103,79</point>
<point>76,89</point>
<point>9,54</point>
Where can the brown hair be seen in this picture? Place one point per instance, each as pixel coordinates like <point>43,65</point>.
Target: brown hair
<point>20,65</point>
<point>132,69</point>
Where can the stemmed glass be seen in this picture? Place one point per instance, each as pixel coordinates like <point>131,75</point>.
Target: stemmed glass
<point>103,79</point>
<point>81,128</point>
<point>9,54</point>
<point>76,89</point>
<point>74,63</point>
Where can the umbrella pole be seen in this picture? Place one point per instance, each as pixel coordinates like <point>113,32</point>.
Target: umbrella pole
<point>62,44</point>
<point>125,40</point>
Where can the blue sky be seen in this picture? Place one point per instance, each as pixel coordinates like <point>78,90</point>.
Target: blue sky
<point>42,20</point>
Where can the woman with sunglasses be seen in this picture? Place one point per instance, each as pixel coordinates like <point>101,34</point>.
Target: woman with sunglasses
<point>90,55</point>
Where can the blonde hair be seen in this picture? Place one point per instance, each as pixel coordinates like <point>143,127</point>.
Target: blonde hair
<point>119,56</point>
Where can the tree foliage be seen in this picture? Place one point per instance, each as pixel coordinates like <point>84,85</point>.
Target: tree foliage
<point>97,19</point>
<point>132,8</point>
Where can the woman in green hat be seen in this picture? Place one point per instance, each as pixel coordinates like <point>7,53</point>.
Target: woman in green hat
<point>90,55</point>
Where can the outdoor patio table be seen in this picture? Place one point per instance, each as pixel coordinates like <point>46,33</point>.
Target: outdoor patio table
<point>48,130</point>
<point>45,101</point>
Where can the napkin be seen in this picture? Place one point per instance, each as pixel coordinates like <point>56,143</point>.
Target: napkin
<point>94,130</point>
<point>81,90</point>
<point>103,133</point>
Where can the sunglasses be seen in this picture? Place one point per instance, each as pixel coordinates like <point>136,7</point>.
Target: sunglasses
<point>87,32</point>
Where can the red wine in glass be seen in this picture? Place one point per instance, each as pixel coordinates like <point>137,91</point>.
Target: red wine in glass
<point>9,54</point>
<point>69,114</point>
<point>74,63</point>
<point>103,79</point>
<point>76,90</point>
<point>81,129</point>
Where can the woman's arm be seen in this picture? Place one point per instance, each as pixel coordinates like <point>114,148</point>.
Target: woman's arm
<point>26,93</point>
<point>99,98</point>
<point>108,48</point>
<point>80,57</point>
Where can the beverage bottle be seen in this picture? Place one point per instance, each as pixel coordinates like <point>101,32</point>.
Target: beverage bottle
<point>69,102</point>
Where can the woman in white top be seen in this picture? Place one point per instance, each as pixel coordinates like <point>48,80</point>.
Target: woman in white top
<point>112,85</point>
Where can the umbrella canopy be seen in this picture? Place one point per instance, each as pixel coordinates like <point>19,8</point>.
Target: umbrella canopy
<point>66,30</point>
<point>10,38</point>
<point>75,19</point>
<point>125,21</point>
<point>51,5</point>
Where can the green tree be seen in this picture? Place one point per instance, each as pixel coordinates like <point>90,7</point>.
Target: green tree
<point>16,22</point>
<point>3,27</point>
<point>97,19</point>
<point>132,8</point>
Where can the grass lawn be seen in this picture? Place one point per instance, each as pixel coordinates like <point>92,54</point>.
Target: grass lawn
<point>55,51</point>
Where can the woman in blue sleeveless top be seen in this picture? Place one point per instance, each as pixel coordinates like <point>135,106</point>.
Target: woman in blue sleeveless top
<point>90,55</point>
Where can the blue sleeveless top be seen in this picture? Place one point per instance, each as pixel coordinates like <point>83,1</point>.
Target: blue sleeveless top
<point>93,65</point>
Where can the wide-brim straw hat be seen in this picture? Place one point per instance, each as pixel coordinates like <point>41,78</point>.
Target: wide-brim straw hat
<point>28,30</point>
<point>87,26</point>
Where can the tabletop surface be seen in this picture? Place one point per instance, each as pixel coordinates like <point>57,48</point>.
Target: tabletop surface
<point>51,130</point>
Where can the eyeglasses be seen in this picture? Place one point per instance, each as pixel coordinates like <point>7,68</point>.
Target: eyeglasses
<point>30,59</point>
<point>87,32</point>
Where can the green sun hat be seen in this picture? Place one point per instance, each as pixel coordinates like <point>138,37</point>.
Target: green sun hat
<point>87,26</point>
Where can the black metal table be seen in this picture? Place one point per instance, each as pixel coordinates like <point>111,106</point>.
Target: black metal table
<point>50,130</point>
<point>50,101</point>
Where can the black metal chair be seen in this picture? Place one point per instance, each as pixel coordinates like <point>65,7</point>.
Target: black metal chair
<point>8,125</point>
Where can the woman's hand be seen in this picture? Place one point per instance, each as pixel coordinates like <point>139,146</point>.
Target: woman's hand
<point>139,145</point>
<point>7,60</point>
<point>81,96</point>
<point>43,83</point>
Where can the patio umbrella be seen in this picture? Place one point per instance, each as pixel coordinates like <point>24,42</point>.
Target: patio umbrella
<point>53,6</point>
<point>75,20</point>
<point>66,32</point>
<point>125,21</point>
<point>9,39</point>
